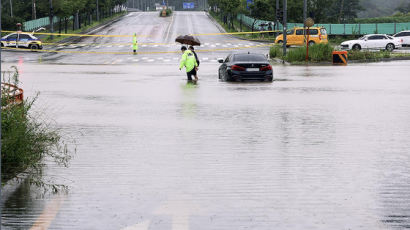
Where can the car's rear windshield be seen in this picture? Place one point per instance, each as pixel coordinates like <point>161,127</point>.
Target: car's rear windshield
<point>323,31</point>
<point>249,57</point>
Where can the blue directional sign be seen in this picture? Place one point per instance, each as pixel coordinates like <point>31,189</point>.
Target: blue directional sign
<point>188,5</point>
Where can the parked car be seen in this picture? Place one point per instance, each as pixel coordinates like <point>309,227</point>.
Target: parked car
<point>372,41</point>
<point>404,36</point>
<point>245,66</point>
<point>296,36</point>
<point>21,40</point>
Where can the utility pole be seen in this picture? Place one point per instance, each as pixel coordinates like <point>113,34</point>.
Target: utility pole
<point>51,19</point>
<point>0,113</point>
<point>285,9</point>
<point>277,14</point>
<point>304,19</point>
<point>304,10</point>
<point>11,8</point>
<point>34,13</point>
<point>98,12</point>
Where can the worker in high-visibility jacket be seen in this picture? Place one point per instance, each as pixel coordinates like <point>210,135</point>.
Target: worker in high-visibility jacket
<point>189,62</point>
<point>135,43</point>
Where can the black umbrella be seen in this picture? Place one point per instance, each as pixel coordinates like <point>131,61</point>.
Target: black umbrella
<point>188,40</point>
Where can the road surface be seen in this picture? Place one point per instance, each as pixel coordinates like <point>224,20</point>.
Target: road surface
<point>322,147</point>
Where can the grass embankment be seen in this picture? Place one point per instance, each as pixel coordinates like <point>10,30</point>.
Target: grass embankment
<point>237,28</point>
<point>27,139</point>
<point>56,38</point>
<point>323,53</point>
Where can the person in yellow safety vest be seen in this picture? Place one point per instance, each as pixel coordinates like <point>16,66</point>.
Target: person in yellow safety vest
<point>189,62</point>
<point>135,43</point>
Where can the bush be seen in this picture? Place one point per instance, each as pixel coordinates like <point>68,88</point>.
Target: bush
<point>26,140</point>
<point>168,12</point>
<point>317,53</point>
<point>368,56</point>
<point>275,51</point>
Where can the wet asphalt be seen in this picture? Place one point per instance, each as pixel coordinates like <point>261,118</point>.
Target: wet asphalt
<point>322,147</point>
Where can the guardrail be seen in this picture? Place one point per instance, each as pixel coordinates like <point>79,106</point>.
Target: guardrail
<point>337,29</point>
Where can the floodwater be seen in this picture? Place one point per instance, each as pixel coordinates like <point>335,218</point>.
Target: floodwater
<point>322,147</point>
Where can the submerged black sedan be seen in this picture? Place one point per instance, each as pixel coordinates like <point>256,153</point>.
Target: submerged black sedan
<point>245,66</point>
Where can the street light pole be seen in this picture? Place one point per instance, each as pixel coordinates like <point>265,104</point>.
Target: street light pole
<point>277,14</point>
<point>0,115</point>
<point>11,8</point>
<point>98,12</point>
<point>304,10</point>
<point>285,9</point>
<point>304,19</point>
<point>34,16</point>
<point>51,19</point>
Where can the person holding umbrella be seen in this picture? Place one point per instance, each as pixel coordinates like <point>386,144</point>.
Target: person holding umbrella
<point>189,62</point>
<point>189,59</point>
<point>197,61</point>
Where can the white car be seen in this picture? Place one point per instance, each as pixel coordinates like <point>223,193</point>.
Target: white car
<point>372,41</point>
<point>404,36</point>
<point>18,40</point>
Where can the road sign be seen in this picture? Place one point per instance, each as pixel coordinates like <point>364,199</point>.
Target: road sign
<point>188,5</point>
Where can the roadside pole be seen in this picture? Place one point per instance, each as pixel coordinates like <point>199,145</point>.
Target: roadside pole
<point>304,19</point>
<point>51,19</point>
<point>98,13</point>
<point>0,116</point>
<point>277,19</point>
<point>285,8</point>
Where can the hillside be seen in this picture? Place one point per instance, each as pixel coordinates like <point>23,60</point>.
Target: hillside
<point>379,8</point>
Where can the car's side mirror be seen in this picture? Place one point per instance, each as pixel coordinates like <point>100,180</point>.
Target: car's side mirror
<point>220,60</point>
<point>365,39</point>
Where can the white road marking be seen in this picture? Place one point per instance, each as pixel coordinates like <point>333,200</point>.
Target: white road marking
<point>109,46</point>
<point>135,60</point>
<point>167,60</point>
<point>144,58</point>
<point>120,46</point>
<point>205,58</point>
<point>150,60</point>
<point>46,218</point>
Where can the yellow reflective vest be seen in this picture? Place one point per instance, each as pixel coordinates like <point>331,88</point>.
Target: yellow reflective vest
<point>188,60</point>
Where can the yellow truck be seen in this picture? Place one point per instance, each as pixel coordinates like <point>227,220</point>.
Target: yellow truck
<point>296,36</point>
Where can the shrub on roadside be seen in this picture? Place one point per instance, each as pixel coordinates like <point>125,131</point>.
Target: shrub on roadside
<point>27,140</point>
<point>275,51</point>
<point>317,53</point>
<point>368,55</point>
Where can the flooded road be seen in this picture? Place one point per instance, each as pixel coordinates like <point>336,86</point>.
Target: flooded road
<point>322,147</point>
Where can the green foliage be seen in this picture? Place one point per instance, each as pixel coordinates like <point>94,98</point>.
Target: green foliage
<point>317,53</point>
<point>22,9</point>
<point>26,138</point>
<point>399,17</point>
<point>368,55</point>
<point>276,51</point>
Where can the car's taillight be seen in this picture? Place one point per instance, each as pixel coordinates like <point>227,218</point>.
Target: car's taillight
<point>320,37</point>
<point>237,68</point>
<point>266,68</point>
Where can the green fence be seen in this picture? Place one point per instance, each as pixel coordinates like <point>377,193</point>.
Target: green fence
<point>338,29</point>
<point>41,22</point>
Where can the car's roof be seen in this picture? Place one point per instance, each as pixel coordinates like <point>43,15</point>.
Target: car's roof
<point>375,34</point>
<point>315,27</point>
